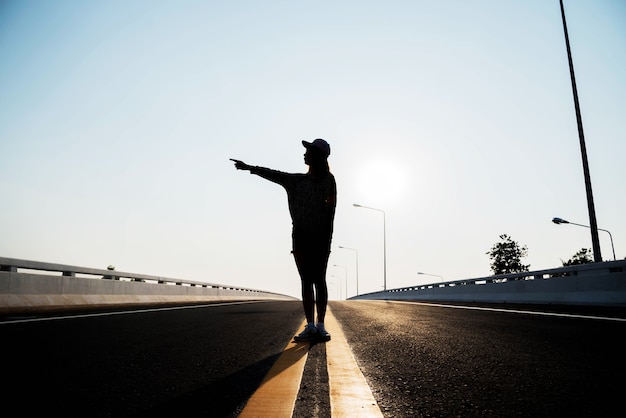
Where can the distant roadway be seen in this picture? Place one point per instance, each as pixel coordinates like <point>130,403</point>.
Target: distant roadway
<point>418,360</point>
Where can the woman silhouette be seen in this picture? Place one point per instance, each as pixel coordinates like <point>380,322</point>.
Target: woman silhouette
<point>312,198</point>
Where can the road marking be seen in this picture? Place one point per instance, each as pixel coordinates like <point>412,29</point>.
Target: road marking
<point>9,320</point>
<point>276,397</point>
<point>519,311</point>
<point>350,395</point>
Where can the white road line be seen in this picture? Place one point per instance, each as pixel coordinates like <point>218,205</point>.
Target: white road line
<point>519,311</point>
<point>123,312</point>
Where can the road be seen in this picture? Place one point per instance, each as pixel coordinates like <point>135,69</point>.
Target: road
<point>419,360</point>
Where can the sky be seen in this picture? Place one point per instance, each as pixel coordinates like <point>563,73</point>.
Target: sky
<point>455,119</point>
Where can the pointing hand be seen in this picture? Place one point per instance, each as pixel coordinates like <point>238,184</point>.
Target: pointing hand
<point>240,165</point>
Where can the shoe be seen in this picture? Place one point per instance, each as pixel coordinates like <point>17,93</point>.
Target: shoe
<point>322,334</point>
<point>309,334</point>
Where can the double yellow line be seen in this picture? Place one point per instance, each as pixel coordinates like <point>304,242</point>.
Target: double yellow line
<point>350,395</point>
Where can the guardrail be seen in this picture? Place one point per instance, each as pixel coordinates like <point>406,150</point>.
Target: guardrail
<point>600,284</point>
<point>35,285</point>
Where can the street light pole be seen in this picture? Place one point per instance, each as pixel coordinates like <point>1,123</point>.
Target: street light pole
<point>384,242</point>
<point>337,293</point>
<point>559,221</point>
<point>345,275</point>
<point>583,149</point>
<point>357,266</point>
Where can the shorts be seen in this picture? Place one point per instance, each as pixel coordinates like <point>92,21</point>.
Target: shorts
<point>311,254</point>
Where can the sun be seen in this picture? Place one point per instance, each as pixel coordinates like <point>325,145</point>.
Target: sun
<point>382,180</point>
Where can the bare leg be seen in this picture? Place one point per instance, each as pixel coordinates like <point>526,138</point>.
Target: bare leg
<point>322,300</point>
<point>308,301</point>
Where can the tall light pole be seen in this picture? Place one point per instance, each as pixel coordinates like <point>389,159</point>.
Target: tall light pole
<point>428,274</point>
<point>357,266</point>
<point>583,149</point>
<point>559,221</point>
<point>384,242</point>
<point>338,293</point>
<point>345,275</point>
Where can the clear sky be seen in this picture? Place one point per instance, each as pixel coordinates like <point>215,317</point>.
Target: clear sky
<point>118,119</point>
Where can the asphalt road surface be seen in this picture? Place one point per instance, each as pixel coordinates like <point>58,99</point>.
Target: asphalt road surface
<point>419,360</point>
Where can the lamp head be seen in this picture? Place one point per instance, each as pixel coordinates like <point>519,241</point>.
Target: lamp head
<point>559,221</point>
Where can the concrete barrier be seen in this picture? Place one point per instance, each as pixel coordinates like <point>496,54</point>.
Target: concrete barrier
<point>594,284</point>
<point>31,286</point>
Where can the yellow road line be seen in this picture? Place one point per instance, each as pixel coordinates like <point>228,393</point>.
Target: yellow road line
<point>276,397</point>
<point>350,395</point>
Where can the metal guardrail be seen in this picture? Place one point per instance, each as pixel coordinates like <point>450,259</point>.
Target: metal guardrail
<point>606,267</point>
<point>15,265</point>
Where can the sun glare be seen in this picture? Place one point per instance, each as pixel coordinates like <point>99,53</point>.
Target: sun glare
<point>382,180</point>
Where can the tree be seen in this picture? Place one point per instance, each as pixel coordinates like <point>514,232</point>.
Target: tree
<point>583,256</point>
<point>506,256</point>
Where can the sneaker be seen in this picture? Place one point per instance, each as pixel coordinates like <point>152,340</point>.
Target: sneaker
<point>322,333</point>
<point>309,334</point>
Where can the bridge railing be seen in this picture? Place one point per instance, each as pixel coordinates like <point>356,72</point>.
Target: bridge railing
<point>27,285</point>
<point>17,265</point>
<point>594,283</point>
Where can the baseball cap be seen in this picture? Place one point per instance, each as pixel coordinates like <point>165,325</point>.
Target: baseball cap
<point>318,144</point>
